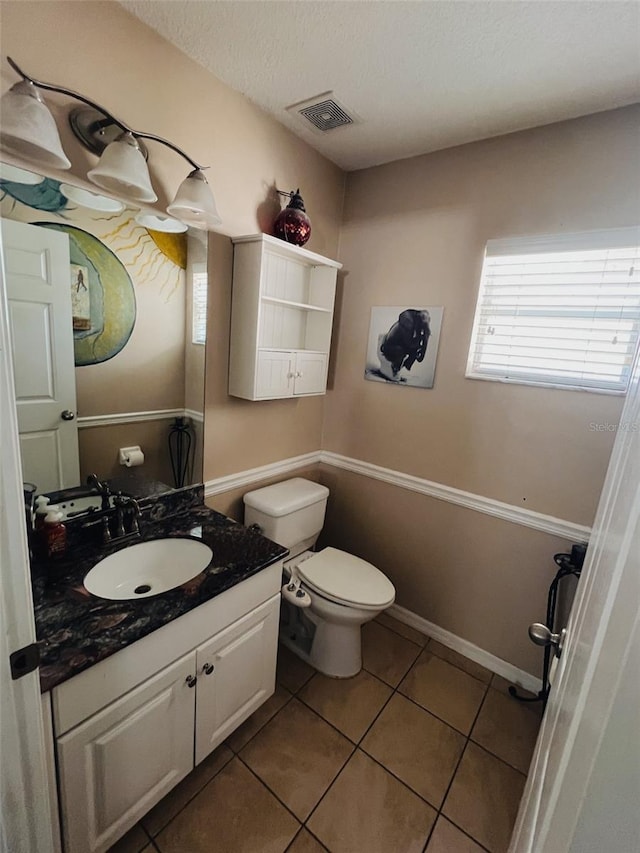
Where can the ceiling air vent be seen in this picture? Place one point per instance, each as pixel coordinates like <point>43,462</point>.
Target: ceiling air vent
<point>324,112</point>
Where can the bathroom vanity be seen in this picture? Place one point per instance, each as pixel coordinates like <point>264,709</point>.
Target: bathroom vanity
<point>138,692</point>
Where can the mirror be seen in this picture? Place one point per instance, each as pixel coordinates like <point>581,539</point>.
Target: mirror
<point>138,306</point>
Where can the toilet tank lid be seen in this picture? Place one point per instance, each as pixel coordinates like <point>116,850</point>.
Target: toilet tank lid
<point>286,497</point>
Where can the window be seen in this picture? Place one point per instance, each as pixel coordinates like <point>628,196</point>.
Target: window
<point>560,311</point>
<point>199,322</point>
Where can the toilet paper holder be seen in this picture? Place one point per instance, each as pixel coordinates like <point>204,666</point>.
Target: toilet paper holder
<point>131,456</point>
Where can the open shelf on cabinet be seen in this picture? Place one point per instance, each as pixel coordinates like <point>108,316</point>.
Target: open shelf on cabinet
<point>281,319</point>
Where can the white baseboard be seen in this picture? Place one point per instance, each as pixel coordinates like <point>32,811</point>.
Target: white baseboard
<point>469,650</point>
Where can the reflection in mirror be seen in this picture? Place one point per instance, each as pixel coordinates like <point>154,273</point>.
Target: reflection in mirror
<point>107,338</point>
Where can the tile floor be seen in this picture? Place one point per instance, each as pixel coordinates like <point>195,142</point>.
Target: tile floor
<point>424,750</point>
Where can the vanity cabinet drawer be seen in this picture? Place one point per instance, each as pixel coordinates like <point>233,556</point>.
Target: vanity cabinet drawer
<point>120,762</point>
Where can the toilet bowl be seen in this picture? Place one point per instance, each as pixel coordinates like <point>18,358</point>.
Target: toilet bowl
<point>328,595</point>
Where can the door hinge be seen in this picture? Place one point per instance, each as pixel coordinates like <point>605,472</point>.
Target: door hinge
<point>24,661</point>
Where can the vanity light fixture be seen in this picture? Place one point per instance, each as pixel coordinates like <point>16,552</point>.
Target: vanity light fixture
<point>28,130</point>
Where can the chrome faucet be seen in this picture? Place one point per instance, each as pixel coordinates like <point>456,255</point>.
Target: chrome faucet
<point>101,487</point>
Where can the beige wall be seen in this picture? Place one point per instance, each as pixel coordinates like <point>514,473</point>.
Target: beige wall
<point>413,234</point>
<point>108,54</point>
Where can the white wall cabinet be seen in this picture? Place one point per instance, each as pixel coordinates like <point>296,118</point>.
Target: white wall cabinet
<point>120,761</point>
<point>281,319</point>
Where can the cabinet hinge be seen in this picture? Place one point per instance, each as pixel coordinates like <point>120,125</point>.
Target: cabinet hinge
<point>24,660</point>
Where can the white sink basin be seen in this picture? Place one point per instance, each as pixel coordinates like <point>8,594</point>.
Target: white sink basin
<point>148,568</point>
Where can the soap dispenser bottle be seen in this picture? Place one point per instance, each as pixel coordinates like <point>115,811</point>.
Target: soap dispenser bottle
<point>42,509</point>
<point>54,535</point>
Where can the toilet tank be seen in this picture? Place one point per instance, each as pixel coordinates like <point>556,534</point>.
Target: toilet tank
<point>290,513</point>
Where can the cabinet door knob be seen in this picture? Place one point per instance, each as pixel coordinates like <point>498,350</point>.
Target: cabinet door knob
<point>208,668</point>
<point>299,374</point>
<point>191,680</point>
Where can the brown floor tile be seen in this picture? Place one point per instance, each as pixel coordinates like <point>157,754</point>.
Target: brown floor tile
<point>292,672</point>
<point>133,842</point>
<point>445,690</point>
<point>234,812</point>
<point>304,842</point>
<point>404,630</point>
<point>508,729</point>
<point>484,798</point>
<point>258,719</point>
<point>469,666</point>
<point>447,838</point>
<point>169,806</point>
<point>297,755</point>
<point>418,748</point>
<point>386,654</point>
<point>349,704</point>
<point>502,686</point>
<point>366,809</point>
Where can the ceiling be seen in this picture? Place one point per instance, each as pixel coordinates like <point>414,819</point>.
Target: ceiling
<point>420,75</point>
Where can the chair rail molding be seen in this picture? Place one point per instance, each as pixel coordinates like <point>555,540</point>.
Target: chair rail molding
<point>137,417</point>
<point>479,503</point>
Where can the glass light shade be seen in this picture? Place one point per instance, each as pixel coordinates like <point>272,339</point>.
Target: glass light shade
<point>122,169</point>
<point>194,203</point>
<point>93,201</point>
<point>160,223</point>
<point>28,129</point>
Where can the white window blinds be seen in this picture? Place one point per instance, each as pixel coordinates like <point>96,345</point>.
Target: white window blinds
<point>561,310</point>
<point>199,325</point>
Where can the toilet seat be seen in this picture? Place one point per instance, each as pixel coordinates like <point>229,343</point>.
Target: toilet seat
<point>345,579</point>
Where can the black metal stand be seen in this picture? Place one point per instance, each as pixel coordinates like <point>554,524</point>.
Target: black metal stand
<point>180,441</point>
<point>569,564</point>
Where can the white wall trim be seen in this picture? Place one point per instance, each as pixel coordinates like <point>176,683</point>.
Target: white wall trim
<point>264,472</point>
<point>469,650</point>
<point>479,503</point>
<point>136,417</point>
<point>489,506</point>
<point>195,416</point>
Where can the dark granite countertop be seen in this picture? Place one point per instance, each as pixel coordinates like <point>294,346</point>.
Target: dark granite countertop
<point>76,629</point>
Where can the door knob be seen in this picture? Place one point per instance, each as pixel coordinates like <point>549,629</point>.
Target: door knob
<point>543,636</point>
<point>208,668</point>
<point>67,415</point>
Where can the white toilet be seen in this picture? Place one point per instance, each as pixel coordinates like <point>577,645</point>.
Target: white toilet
<point>328,595</point>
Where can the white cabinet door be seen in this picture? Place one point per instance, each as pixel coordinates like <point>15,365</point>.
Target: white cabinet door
<point>121,761</point>
<point>311,373</point>
<point>236,674</point>
<point>275,374</point>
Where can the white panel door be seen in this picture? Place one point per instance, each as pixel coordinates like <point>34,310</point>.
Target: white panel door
<point>275,374</point>
<point>39,296</point>
<point>121,761</point>
<point>588,684</point>
<point>311,373</point>
<point>236,674</point>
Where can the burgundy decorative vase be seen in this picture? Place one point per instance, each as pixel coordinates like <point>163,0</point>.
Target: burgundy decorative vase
<point>292,224</point>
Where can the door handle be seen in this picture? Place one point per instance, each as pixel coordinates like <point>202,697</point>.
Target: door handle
<point>67,415</point>
<point>208,668</point>
<point>543,636</point>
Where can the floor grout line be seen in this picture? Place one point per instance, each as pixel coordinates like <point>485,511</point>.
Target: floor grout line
<point>356,745</point>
